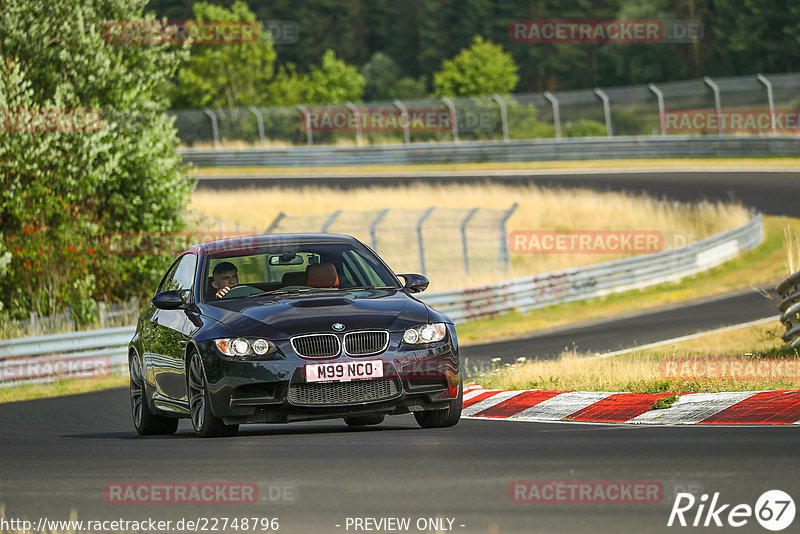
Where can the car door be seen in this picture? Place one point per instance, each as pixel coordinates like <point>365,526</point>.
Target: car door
<point>171,330</point>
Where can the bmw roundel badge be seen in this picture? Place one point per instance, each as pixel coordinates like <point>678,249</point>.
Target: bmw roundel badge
<point>338,326</point>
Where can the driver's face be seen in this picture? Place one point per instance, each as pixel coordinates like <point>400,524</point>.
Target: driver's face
<point>228,279</point>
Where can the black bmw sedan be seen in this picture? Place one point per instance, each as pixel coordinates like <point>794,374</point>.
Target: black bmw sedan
<point>291,327</point>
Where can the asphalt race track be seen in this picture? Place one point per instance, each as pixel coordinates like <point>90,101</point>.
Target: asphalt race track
<point>60,454</point>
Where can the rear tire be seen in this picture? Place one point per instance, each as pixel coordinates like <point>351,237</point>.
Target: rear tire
<point>146,422</point>
<point>364,420</point>
<point>205,424</point>
<point>445,417</point>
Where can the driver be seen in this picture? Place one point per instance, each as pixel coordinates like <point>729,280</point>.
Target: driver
<point>224,277</point>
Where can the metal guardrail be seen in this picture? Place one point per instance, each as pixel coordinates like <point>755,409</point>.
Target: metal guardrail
<point>43,358</point>
<point>530,292</point>
<point>499,151</point>
<point>77,354</point>
<point>789,306</point>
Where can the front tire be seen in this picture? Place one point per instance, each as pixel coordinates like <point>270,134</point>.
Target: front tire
<point>146,422</point>
<point>205,424</point>
<point>445,417</point>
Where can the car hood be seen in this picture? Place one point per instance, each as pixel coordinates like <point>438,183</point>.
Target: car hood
<point>287,316</point>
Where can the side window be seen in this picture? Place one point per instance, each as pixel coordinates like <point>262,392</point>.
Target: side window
<point>181,276</point>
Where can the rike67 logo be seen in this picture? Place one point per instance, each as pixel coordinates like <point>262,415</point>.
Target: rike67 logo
<point>774,510</point>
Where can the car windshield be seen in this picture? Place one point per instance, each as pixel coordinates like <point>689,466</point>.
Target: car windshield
<point>295,269</point>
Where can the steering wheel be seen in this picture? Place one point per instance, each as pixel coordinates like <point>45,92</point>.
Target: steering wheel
<point>242,290</point>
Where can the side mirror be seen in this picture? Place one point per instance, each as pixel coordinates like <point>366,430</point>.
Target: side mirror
<point>169,300</point>
<point>415,283</point>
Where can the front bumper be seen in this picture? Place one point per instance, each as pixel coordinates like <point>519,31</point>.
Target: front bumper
<point>274,390</point>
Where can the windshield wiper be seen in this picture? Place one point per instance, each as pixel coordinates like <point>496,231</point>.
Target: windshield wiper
<point>292,291</point>
<point>372,287</point>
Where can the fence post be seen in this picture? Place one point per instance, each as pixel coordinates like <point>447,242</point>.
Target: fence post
<point>34,324</point>
<point>309,134</point>
<point>717,102</point>
<point>452,108</point>
<point>606,110</point>
<point>274,223</point>
<point>330,221</point>
<point>405,120</point>
<point>556,113</point>
<point>70,319</point>
<point>464,244</point>
<point>661,112</point>
<point>214,127</point>
<point>420,241</point>
<point>103,317</point>
<point>770,100</point>
<point>373,228</point>
<point>260,118</point>
<point>503,114</point>
<point>503,256</point>
<point>357,116</point>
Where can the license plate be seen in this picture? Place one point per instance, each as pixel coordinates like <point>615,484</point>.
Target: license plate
<point>343,371</point>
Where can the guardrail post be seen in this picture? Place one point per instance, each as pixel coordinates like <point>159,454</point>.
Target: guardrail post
<point>662,119</point>
<point>717,102</point>
<point>503,256</point>
<point>556,113</point>
<point>405,120</point>
<point>420,241</point>
<point>275,222</point>
<point>453,119</point>
<point>214,126</point>
<point>503,114</point>
<point>606,110</point>
<point>309,134</point>
<point>260,119</point>
<point>770,100</point>
<point>357,115</point>
<point>373,228</point>
<point>330,221</point>
<point>464,243</point>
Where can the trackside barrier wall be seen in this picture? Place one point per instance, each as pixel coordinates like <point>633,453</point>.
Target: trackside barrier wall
<point>673,146</point>
<point>109,346</point>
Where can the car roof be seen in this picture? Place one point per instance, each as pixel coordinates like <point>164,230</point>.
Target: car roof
<point>253,242</point>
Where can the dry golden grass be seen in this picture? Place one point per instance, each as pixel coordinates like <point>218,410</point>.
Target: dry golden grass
<point>791,238</point>
<point>60,388</point>
<point>641,371</point>
<point>539,209</point>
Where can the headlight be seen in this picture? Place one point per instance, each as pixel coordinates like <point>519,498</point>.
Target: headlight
<point>242,347</point>
<point>426,333</point>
